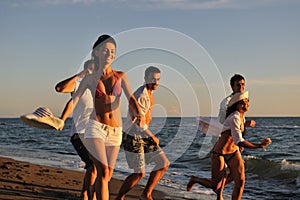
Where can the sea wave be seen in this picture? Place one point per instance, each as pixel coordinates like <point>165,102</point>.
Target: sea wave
<point>298,184</point>
<point>279,127</point>
<point>266,169</point>
<point>286,165</point>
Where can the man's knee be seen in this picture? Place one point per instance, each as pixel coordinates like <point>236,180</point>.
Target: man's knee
<point>162,162</point>
<point>166,164</point>
<point>139,174</point>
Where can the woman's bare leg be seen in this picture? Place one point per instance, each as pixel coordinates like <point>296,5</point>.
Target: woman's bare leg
<point>218,174</point>
<point>97,150</point>
<point>219,177</point>
<point>237,169</point>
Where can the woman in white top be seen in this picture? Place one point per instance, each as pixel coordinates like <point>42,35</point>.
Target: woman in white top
<point>226,150</point>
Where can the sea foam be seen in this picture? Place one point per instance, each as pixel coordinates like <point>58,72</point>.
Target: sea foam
<point>285,165</point>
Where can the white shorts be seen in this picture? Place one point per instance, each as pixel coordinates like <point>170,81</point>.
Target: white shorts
<point>112,136</point>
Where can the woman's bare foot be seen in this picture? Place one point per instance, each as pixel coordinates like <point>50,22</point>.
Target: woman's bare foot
<point>190,183</point>
<point>145,197</point>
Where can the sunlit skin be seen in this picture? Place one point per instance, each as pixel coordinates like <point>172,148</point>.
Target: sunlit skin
<point>152,82</point>
<point>106,53</point>
<point>243,107</point>
<point>238,86</point>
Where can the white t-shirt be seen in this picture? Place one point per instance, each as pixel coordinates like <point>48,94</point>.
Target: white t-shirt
<point>82,111</point>
<point>233,123</point>
<point>223,108</point>
<point>143,99</point>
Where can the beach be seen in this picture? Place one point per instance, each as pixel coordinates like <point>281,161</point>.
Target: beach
<point>23,180</point>
<point>26,181</point>
<point>275,172</point>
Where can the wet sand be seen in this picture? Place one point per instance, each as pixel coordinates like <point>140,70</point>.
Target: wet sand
<point>23,180</point>
<point>27,181</point>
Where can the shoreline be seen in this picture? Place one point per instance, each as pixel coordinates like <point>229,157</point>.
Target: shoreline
<point>24,180</point>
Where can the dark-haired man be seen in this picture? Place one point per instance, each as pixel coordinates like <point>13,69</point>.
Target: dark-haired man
<point>141,145</point>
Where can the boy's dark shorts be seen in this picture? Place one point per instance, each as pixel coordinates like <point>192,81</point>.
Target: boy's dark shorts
<point>81,150</point>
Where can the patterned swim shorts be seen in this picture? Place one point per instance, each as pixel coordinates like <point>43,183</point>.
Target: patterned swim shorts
<point>140,150</point>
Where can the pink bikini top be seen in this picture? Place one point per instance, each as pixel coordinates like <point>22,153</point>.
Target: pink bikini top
<point>116,90</point>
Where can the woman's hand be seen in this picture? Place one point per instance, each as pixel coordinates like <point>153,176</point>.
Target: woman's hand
<point>82,73</point>
<point>265,142</point>
<point>250,123</point>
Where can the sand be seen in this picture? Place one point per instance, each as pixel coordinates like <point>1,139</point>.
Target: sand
<point>27,181</point>
<point>23,180</point>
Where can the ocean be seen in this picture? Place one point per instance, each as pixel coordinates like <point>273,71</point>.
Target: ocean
<point>270,174</point>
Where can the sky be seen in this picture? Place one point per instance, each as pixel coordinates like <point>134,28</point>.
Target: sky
<point>197,44</point>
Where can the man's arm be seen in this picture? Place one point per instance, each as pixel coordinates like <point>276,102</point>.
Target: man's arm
<point>68,85</point>
<point>150,134</point>
<point>144,104</point>
<point>66,112</point>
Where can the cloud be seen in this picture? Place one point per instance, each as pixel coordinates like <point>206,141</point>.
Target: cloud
<point>282,81</point>
<point>204,4</point>
<point>165,4</point>
<point>71,2</point>
<point>43,3</point>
